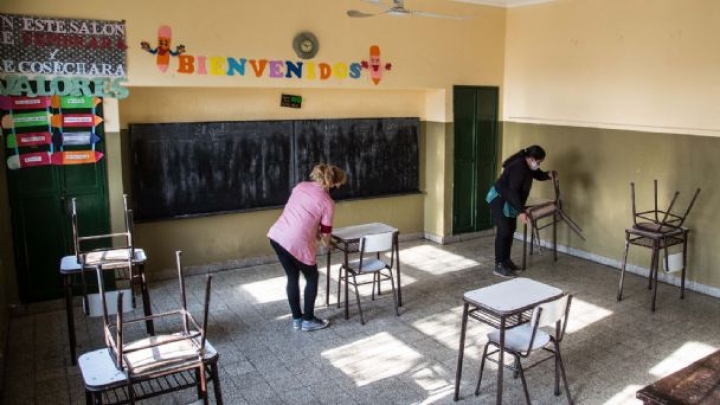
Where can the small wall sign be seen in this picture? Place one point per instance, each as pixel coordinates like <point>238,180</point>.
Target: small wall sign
<point>287,100</point>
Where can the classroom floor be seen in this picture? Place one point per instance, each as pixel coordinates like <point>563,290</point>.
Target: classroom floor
<point>612,348</point>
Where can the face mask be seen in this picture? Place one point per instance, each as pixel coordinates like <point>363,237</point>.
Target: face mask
<point>534,165</point>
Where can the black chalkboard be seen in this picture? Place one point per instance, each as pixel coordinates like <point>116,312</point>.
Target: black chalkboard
<point>202,168</point>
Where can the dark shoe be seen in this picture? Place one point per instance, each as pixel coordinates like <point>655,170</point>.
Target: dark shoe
<point>512,266</point>
<point>315,324</point>
<point>503,271</point>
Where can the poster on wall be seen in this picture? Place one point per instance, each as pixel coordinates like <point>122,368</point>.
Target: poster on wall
<point>44,56</point>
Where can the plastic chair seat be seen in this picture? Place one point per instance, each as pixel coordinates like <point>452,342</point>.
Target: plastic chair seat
<point>368,265</point>
<point>69,264</point>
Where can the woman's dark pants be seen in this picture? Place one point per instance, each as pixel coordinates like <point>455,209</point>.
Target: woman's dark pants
<point>505,230</point>
<point>293,267</point>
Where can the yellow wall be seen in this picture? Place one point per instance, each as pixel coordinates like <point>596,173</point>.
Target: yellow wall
<point>642,65</point>
<point>620,91</point>
<point>428,57</point>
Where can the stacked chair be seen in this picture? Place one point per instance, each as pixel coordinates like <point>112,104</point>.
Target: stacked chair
<point>119,256</point>
<point>543,215</point>
<point>126,371</point>
<point>658,230</point>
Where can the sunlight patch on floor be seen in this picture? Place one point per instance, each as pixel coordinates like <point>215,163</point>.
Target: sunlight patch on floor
<point>269,290</point>
<point>682,357</point>
<point>443,327</point>
<point>583,314</point>
<point>374,358</point>
<point>434,260</point>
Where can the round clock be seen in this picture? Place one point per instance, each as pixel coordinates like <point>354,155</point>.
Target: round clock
<point>305,45</point>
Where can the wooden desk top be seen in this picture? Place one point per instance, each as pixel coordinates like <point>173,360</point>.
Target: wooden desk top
<point>696,384</point>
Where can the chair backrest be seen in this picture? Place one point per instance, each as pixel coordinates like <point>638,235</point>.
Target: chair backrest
<point>550,314</point>
<point>659,219</point>
<point>126,237</point>
<point>556,189</point>
<point>378,243</point>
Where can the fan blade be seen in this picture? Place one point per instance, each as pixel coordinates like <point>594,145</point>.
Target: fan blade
<point>433,15</point>
<point>359,14</point>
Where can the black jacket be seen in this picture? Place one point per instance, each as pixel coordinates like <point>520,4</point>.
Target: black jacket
<point>516,181</point>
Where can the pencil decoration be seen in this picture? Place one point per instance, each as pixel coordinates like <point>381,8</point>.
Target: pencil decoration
<point>79,138</point>
<point>24,103</point>
<point>28,160</point>
<point>75,120</point>
<point>26,119</point>
<point>89,102</point>
<point>75,157</point>
<point>27,139</point>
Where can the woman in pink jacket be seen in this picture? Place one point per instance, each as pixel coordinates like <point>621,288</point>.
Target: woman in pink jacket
<point>307,217</point>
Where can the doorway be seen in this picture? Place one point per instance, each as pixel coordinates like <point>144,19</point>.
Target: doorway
<point>475,110</point>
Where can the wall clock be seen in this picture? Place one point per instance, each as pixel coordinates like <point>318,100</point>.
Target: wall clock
<point>305,45</point>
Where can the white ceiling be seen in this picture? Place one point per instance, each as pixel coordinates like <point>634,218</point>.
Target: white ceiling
<point>505,3</point>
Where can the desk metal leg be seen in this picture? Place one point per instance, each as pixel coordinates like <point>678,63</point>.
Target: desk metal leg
<point>70,317</point>
<point>525,228</point>
<point>622,266</point>
<point>327,279</point>
<point>461,351</point>
<point>554,225</point>
<point>684,265</point>
<point>501,364</point>
<point>345,268</point>
<point>397,256</point>
<point>655,265</point>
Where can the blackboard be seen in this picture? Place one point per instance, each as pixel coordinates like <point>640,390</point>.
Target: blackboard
<point>203,168</point>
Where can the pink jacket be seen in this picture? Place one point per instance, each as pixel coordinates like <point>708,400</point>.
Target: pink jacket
<point>309,210</point>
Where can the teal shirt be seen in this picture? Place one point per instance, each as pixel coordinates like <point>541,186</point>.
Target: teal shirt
<point>508,211</point>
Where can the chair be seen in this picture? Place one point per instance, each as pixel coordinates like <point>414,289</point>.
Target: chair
<point>546,327</point>
<point>552,211</point>
<point>112,258</point>
<point>657,229</point>
<point>371,246</point>
<point>126,372</point>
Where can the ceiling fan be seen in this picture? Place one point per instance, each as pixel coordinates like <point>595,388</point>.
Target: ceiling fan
<point>397,9</point>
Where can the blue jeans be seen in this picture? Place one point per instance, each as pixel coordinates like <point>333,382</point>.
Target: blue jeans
<point>293,267</point>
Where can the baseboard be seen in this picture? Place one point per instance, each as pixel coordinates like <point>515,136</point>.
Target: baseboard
<point>444,240</point>
<point>665,277</point>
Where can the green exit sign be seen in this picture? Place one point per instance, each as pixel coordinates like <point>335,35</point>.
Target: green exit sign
<point>287,100</point>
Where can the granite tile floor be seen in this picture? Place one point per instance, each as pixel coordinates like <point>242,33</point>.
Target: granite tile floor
<point>612,348</point>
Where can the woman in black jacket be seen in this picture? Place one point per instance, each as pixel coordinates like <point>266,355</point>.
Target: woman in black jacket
<point>507,200</point>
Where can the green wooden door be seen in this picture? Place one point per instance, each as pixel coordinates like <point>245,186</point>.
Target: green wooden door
<point>40,200</point>
<point>40,206</point>
<point>475,154</point>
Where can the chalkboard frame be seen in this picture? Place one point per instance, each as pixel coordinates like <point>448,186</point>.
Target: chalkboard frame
<point>197,169</point>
